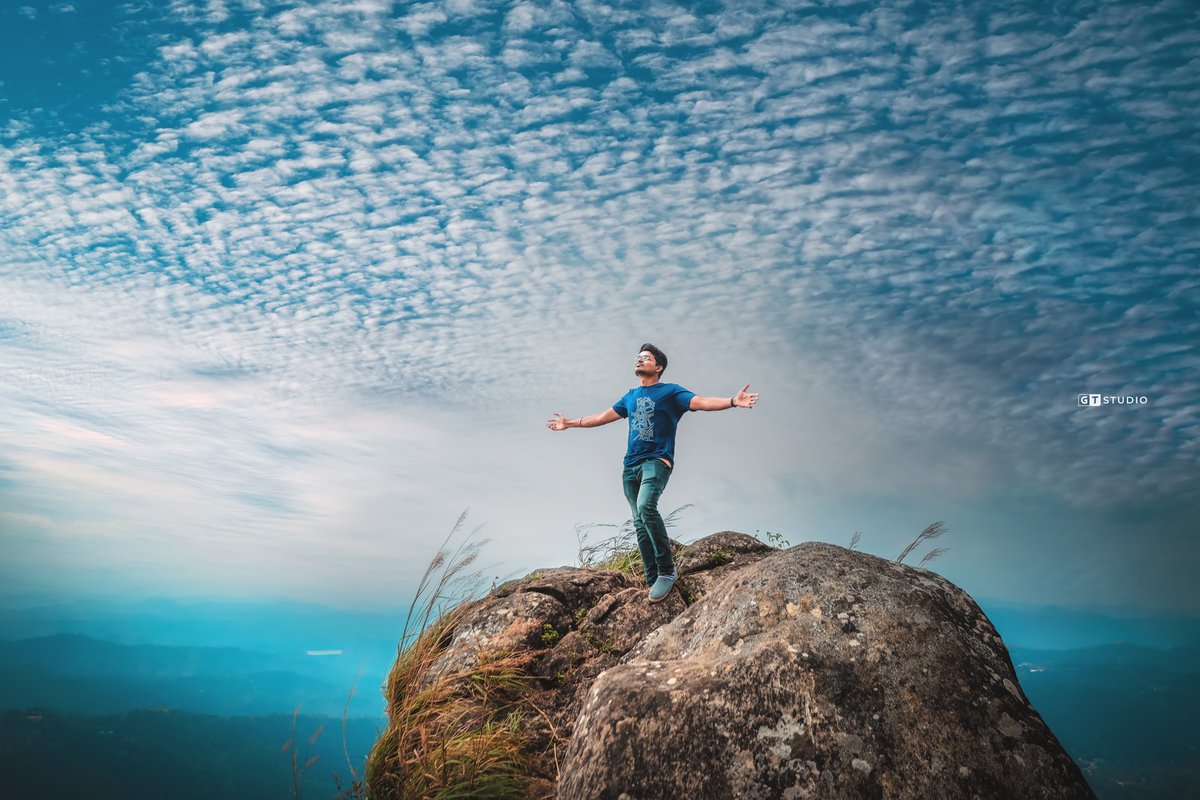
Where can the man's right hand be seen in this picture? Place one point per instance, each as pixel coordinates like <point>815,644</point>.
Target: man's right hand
<point>557,423</point>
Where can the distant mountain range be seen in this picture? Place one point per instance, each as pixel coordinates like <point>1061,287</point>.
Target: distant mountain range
<point>1119,690</point>
<point>83,655</point>
<point>279,627</point>
<point>80,675</point>
<point>150,755</point>
<point>217,657</point>
<point>1057,628</point>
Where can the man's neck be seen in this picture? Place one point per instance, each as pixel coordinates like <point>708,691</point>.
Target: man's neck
<point>649,380</point>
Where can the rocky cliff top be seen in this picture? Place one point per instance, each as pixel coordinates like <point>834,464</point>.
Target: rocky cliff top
<point>812,672</point>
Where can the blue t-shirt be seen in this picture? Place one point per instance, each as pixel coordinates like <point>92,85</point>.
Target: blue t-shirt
<point>653,413</point>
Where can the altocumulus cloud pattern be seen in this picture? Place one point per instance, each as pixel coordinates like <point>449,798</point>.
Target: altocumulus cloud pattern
<point>971,211</point>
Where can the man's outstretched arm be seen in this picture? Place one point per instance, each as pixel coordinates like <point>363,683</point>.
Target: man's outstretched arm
<point>743,399</point>
<point>560,423</point>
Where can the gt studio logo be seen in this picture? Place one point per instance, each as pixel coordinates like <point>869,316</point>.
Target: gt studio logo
<point>1092,400</point>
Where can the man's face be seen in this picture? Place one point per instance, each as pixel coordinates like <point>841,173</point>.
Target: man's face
<point>645,365</point>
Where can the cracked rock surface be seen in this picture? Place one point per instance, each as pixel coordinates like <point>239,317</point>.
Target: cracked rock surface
<point>818,672</point>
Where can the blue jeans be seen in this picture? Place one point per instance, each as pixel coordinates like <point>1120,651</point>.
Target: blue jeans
<point>644,484</point>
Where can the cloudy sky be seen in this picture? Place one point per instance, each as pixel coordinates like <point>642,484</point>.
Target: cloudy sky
<point>285,287</point>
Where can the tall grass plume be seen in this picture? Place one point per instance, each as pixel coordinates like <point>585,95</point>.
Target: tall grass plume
<point>932,531</point>
<point>452,733</point>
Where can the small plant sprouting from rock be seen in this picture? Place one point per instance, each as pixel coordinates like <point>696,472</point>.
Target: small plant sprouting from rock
<point>932,531</point>
<point>549,635</point>
<point>855,539</point>
<point>773,538</point>
<point>606,645</point>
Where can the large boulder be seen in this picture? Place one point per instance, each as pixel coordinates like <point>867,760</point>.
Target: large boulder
<point>567,625</point>
<point>817,672</point>
<point>814,672</point>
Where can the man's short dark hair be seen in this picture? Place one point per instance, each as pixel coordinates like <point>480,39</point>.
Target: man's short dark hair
<point>660,358</point>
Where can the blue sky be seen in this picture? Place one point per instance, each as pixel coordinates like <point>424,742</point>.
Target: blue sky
<point>286,287</point>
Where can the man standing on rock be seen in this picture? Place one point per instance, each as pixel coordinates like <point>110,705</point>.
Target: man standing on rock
<point>653,410</point>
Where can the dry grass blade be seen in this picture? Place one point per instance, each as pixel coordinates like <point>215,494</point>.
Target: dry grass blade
<point>931,531</point>
<point>932,554</point>
<point>620,551</point>
<point>345,721</point>
<point>671,519</point>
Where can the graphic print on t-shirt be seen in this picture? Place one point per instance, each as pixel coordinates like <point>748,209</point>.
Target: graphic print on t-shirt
<point>642,420</point>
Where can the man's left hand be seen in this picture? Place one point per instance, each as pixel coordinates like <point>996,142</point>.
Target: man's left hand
<point>744,399</point>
